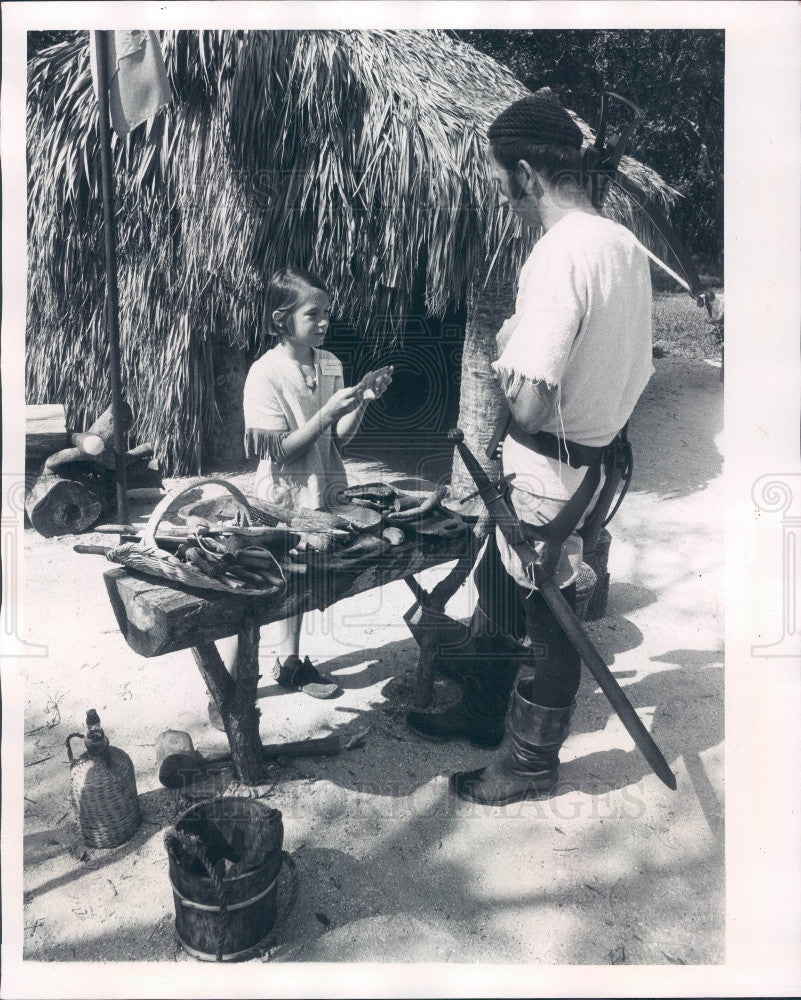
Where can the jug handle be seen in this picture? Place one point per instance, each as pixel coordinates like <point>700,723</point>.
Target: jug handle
<point>71,736</point>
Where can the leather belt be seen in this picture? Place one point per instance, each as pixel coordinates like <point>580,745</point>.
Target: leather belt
<point>570,452</point>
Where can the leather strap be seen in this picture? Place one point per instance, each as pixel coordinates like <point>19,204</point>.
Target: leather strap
<point>556,530</point>
<point>570,452</point>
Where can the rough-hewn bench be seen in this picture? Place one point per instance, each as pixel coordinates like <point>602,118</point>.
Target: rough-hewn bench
<point>156,618</point>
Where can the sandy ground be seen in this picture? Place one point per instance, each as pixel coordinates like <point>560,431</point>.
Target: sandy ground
<point>615,868</point>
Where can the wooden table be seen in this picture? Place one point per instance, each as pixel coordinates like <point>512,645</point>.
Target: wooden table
<point>157,618</point>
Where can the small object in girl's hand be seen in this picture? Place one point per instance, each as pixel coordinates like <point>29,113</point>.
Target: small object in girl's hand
<point>374,383</point>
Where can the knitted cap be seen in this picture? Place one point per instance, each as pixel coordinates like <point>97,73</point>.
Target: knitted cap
<point>538,119</point>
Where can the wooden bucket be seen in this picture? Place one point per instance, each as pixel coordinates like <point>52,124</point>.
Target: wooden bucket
<point>225,856</point>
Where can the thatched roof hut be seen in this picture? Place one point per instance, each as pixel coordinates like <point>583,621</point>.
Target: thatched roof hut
<point>360,155</point>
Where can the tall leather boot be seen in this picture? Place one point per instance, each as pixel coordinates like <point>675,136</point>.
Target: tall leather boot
<point>479,713</point>
<point>527,767</point>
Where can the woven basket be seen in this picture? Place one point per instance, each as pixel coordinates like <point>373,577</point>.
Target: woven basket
<point>104,796</point>
<point>146,557</point>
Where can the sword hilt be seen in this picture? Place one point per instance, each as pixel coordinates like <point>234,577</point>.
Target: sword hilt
<point>478,474</point>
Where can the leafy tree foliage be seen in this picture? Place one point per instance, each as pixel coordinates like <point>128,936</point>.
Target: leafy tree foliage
<point>675,76</point>
<point>38,40</point>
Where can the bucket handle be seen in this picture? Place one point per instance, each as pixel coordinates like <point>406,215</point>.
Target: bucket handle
<point>194,846</point>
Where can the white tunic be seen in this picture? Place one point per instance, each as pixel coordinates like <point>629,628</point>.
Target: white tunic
<point>582,324</point>
<point>277,398</point>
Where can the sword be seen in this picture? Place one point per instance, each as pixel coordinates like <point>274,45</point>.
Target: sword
<point>518,538</point>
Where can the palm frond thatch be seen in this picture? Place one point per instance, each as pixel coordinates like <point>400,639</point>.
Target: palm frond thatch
<point>360,155</point>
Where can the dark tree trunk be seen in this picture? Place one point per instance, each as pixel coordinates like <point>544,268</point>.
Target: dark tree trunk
<point>225,449</point>
<point>481,398</point>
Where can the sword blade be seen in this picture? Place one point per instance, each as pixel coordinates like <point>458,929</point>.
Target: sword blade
<point>624,710</point>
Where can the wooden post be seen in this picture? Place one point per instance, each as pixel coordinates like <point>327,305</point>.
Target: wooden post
<point>236,699</point>
<point>112,304</point>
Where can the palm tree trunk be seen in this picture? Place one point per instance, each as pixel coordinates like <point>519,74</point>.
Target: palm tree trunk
<point>224,445</point>
<point>480,398</point>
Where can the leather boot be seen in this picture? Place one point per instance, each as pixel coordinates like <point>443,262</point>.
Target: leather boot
<point>527,767</point>
<point>479,714</point>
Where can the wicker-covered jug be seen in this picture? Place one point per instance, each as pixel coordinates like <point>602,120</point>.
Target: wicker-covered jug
<point>104,794</point>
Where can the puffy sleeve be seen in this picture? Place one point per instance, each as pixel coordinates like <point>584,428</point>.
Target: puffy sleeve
<point>550,307</point>
<point>262,403</point>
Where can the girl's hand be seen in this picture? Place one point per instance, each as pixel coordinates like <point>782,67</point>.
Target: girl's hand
<point>375,383</point>
<point>343,401</point>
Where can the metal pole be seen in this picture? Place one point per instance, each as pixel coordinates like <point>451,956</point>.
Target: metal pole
<point>112,300</point>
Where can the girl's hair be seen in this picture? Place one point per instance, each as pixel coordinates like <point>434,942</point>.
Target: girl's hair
<point>540,131</point>
<point>284,292</point>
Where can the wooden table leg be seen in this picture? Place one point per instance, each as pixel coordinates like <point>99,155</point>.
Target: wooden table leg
<point>431,627</point>
<point>431,630</point>
<point>236,700</point>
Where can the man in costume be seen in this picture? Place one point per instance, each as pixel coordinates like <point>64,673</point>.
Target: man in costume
<point>574,359</point>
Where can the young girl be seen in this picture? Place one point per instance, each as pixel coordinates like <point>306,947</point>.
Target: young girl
<point>298,415</point>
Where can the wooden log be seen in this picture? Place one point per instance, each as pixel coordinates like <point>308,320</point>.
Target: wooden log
<point>57,506</point>
<point>143,474</point>
<point>40,446</point>
<point>181,769</point>
<point>155,618</point>
<point>146,494</point>
<point>70,463</point>
<point>70,459</point>
<point>42,417</point>
<point>96,483</point>
<point>141,453</point>
<point>98,440</point>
